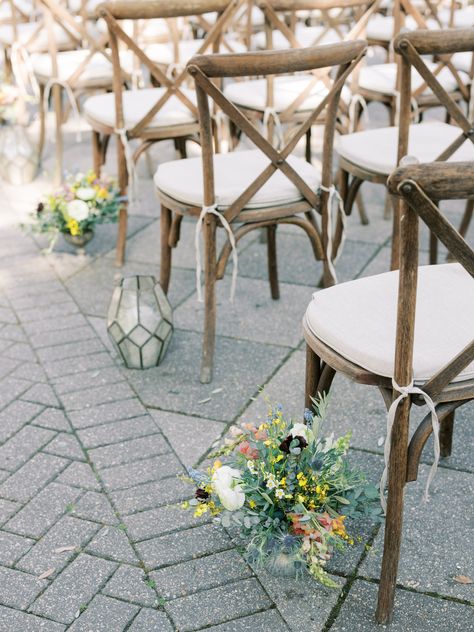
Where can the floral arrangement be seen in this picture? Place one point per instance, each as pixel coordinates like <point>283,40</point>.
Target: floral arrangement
<point>83,201</point>
<point>287,491</point>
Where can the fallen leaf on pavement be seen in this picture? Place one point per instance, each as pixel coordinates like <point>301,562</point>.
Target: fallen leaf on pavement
<point>46,574</point>
<point>463,579</point>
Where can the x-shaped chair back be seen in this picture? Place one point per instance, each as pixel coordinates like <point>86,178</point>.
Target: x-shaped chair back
<point>343,57</point>
<point>113,12</point>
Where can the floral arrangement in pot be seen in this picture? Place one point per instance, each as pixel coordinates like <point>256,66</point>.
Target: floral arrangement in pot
<point>286,491</point>
<point>83,201</point>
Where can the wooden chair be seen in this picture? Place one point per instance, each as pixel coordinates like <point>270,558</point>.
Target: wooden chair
<point>152,114</point>
<point>381,345</point>
<point>254,189</point>
<point>371,155</point>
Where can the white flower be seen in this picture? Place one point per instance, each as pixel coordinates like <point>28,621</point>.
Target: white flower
<point>301,430</point>
<point>271,482</point>
<point>251,466</point>
<point>78,210</point>
<point>227,488</point>
<point>279,493</point>
<point>85,193</point>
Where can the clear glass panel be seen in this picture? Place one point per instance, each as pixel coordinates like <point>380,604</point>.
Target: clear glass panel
<point>139,335</point>
<point>130,354</point>
<point>163,330</point>
<point>151,353</point>
<point>163,302</point>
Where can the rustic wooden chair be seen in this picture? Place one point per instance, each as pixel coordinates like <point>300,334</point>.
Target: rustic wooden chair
<point>410,333</point>
<point>151,114</point>
<point>252,189</point>
<point>371,155</point>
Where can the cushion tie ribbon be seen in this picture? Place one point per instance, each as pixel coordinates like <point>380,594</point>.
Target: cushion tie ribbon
<point>212,210</point>
<point>271,113</point>
<point>406,391</point>
<point>72,100</point>
<point>334,194</point>
<point>132,173</point>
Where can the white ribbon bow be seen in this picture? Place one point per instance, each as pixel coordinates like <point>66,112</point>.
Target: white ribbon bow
<point>406,391</point>
<point>132,173</point>
<point>357,99</point>
<point>268,113</point>
<point>212,210</point>
<point>334,193</point>
<point>72,100</point>
<point>20,56</point>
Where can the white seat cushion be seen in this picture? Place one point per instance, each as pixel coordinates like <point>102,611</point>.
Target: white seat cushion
<point>376,149</point>
<point>382,78</point>
<point>40,42</point>
<point>98,69</point>
<point>136,104</point>
<point>382,27</point>
<point>25,7</point>
<point>306,36</point>
<point>463,18</point>
<point>462,61</point>
<point>253,93</point>
<point>182,179</point>
<point>358,320</point>
<point>165,53</point>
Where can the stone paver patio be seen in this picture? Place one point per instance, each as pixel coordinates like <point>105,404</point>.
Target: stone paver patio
<point>89,451</point>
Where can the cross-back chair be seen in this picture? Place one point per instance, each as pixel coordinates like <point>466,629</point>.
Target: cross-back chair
<point>260,188</point>
<point>280,103</point>
<point>410,334</point>
<point>371,155</point>
<point>150,114</point>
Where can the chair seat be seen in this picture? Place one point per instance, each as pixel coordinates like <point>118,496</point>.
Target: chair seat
<point>136,104</point>
<point>165,53</point>
<point>375,150</point>
<point>306,36</point>
<point>24,6</point>
<point>97,71</point>
<point>462,61</point>
<point>381,27</point>
<point>382,78</point>
<point>152,30</point>
<point>25,31</point>
<point>253,93</point>
<point>182,180</point>
<point>463,18</point>
<point>358,320</point>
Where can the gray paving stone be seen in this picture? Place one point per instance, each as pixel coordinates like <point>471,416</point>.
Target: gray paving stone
<point>429,564</point>
<point>150,495</point>
<point>15,416</point>
<point>10,389</point>
<point>178,428</point>
<point>67,532</point>
<point>117,431</point>
<point>112,543</point>
<point>116,411</point>
<point>20,351</point>
<point>12,332</point>
<point>61,336</point>
<point>72,366</point>
<point>414,612</point>
<point>201,574</point>
<point>304,604</point>
<point>155,522</point>
<point>18,589</point>
<point>128,583</point>
<point>70,350</point>
<point>7,509</point>
<point>43,510</point>
<point>143,471</point>
<point>90,397</point>
<point>41,394</point>
<point>66,444</point>
<point>7,366</point>
<point>148,619</point>
<point>104,614</point>
<point>54,419</point>
<point>80,475</point>
<point>128,451</point>
<point>12,547</point>
<point>96,507</point>
<point>16,620</point>
<point>260,622</point>
<point>31,477</point>
<point>23,445</point>
<point>74,587</point>
<point>175,386</point>
<point>7,315</point>
<point>218,605</point>
<point>41,300</point>
<point>184,545</point>
<point>48,312</point>
<point>87,379</point>
<point>30,371</point>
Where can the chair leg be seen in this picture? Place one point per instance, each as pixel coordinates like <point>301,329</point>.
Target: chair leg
<point>364,218</point>
<point>165,254</point>
<point>433,257</point>
<point>96,153</point>
<point>446,435</point>
<point>121,238</point>
<point>393,522</point>
<point>308,146</point>
<point>58,166</point>
<point>210,273</point>
<point>313,374</point>
<point>272,262</point>
<point>42,118</point>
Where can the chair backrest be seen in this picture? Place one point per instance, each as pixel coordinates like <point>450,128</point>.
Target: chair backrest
<point>341,57</point>
<point>422,187</point>
<point>114,12</point>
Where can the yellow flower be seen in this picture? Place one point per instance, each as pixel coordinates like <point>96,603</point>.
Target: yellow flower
<point>91,177</point>
<point>303,481</point>
<point>217,465</point>
<point>268,442</point>
<point>252,504</point>
<point>102,193</point>
<point>73,227</point>
<point>200,510</point>
<point>283,482</point>
<point>279,458</point>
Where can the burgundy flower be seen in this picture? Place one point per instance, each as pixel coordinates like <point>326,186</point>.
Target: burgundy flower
<point>285,444</point>
<point>40,208</point>
<point>201,494</point>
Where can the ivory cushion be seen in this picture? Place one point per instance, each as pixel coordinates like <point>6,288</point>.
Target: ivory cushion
<point>306,36</point>
<point>97,70</point>
<point>358,320</point>
<point>182,179</point>
<point>462,61</point>
<point>382,27</point>
<point>376,149</point>
<point>137,103</point>
<point>253,93</point>
<point>382,78</point>
<point>40,42</point>
<point>165,53</point>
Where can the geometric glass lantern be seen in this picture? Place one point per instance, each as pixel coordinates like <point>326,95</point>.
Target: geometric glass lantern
<point>140,321</point>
